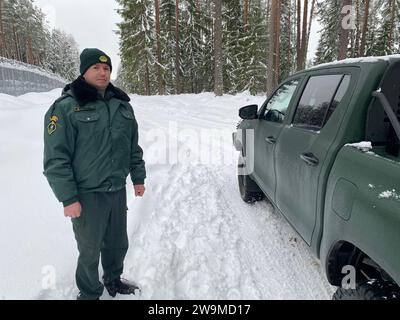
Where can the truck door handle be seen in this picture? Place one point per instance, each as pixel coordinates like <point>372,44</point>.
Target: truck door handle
<point>270,140</point>
<point>310,159</point>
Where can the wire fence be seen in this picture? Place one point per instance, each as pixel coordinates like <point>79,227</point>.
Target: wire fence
<point>18,78</point>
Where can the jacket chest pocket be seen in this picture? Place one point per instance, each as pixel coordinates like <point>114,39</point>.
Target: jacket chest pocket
<point>87,121</point>
<point>125,118</point>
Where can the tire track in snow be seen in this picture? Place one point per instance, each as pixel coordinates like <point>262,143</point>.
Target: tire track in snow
<point>270,234</point>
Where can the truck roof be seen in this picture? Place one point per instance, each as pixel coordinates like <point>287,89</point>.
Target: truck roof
<point>359,62</point>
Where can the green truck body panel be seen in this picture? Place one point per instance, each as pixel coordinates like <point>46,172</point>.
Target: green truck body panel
<point>370,215</point>
<point>347,195</point>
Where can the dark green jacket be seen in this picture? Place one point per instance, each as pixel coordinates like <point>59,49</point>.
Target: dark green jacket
<point>91,142</point>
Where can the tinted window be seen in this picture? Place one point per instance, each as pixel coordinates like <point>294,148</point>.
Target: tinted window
<point>316,100</point>
<point>344,85</point>
<point>278,104</point>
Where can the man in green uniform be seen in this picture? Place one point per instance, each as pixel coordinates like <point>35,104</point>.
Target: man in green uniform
<point>90,147</point>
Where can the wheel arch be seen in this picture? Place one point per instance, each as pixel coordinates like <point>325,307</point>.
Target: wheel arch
<point>345,253</point>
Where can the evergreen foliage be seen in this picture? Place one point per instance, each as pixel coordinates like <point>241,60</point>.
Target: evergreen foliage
<point>25,37</point>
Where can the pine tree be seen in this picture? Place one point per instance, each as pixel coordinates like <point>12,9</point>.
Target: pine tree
<point>123,81</point>
<point>3,49</point>
<point>387,34</point>
<point>178,46</point>
<point>311,19</point>
<point>160,71</point>
<point>371,49</point>
<point>205,67</point>
<point>274,47</point>
<point>234,39</point>
<point>366,18</point>
<point>253,60</point>
<point>303,50</point>
<point>328,13</point>
<point>137,47</point>
<point>62,55</point>
<point>167,13</point>
<point>287,39</point>
<point>191,47</point>
<point>344,33</point>
<point>23,34</point>
<point>218,58</point>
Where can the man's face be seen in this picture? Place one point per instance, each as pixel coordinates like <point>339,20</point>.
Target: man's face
<point>98,75</point>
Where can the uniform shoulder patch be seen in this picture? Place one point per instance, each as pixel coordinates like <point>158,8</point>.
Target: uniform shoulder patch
<point>52,127</point>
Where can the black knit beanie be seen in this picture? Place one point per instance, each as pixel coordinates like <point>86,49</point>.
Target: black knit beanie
<point>91,56</point>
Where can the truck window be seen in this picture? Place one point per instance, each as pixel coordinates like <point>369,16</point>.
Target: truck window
<point>344,85</point>
<point>319,100</point>
<point>277,105</point>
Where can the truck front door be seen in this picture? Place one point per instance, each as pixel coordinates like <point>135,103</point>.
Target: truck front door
<point>271,118</point>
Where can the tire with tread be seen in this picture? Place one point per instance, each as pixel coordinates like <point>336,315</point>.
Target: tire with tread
<point>371,290</point>
<point>249,190</point>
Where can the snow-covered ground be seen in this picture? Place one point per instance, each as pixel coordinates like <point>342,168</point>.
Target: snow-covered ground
<point>191,236</point>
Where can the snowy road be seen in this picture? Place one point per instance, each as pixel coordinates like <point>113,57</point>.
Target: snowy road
<point>191,236</point>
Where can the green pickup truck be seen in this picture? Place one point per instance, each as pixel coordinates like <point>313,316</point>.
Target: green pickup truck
<point>324,150</point>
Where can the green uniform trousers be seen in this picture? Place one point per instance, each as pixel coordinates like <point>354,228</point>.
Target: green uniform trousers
<point>100,231</point>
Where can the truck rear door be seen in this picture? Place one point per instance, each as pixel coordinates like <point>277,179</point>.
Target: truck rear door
<point>303,146</point>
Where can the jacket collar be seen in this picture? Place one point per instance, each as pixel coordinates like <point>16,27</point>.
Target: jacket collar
<point>84,93</point>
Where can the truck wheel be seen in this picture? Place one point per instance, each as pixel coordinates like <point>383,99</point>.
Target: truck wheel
<point>371,290</point>
<point>249,190</point>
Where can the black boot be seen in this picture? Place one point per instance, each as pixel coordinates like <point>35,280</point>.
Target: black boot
<point>80,296</point>
<point>121,287</point>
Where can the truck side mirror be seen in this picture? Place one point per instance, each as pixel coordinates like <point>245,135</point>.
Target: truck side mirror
<point>249,112</point>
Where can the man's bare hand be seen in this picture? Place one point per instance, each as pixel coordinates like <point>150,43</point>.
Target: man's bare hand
<point>73,210</point>
<point>139,190</point>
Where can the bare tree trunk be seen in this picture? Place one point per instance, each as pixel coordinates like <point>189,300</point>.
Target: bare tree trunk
<point>365,29</point>
<point>28,47</point>
<point>343,36</point>
<point>245,14</point>
<point>273,60</point>
<point>161,86</point>
<point>310,23</point>
<point>277,42</point>
<point>3,49</point>
<point>177,50</point>
<point>298,36</point>
<point>357,40</point>
<point>29,51</point>
<point>147,80</point>
<point>17,54</point>
<point>218,75</point>
<point>198,81</point>
<point>304,35</point>
<point>392,24</point>
<point>289,28</point>
<point>268,52</point>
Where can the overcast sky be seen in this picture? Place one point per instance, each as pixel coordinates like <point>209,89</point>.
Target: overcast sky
<point>92,23</point>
